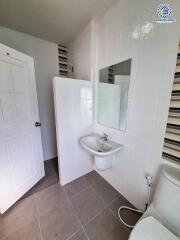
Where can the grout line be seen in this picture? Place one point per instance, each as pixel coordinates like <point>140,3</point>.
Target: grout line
<point>37,212</point>
<point>72,235</point>
<point>68,199</point>
<point>99,196</point>
<point>40,229</point>
<point>94,190</point>
<point>85,233</point>
<point>75,212</point>
<point>85,188</point>
<point>90,220</point>
<point>106,204</point>
<point>79,218</point>
<point>36,205</point>
<point>98,212</point>
<point>113,214</point>
<point>105,207</point>
<point>125,228</point>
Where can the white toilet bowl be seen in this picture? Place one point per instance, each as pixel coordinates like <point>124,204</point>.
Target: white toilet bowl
<point>151,229</point>
<point>164,212</point>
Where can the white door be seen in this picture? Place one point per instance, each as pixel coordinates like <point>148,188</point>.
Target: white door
<point>21,159</point>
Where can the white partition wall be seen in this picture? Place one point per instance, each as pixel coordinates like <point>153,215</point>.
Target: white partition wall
<point>73,110</point>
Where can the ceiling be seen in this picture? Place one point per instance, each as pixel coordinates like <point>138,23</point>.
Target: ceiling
<point>53,20</point>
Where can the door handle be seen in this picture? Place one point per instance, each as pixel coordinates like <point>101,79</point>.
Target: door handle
<point>37,124</point>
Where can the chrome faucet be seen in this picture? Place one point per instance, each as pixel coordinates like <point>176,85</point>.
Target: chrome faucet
<point>105,137</point>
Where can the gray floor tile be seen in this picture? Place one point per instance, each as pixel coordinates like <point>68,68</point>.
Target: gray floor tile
<point>79,236</point>
<point>87,204</point>
<point>76,186</point>
<point>29,232</point>
<point>106,227</point>
<point>106,191</point>
<point>60,224</point>
<point>20,215</point>
<point>93,177</point>
<point>49,199</point>
<point>129,217</point>
<point>59,219</point>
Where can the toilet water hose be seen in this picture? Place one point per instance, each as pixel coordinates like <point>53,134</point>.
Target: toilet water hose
<point>149,184</point>
<point>127,208</point>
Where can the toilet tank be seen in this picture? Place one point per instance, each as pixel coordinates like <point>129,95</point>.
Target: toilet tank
<point>167,197</point>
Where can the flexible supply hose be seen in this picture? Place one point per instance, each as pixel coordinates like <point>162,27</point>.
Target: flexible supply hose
<point>135,210</point>
<point>127,208</point>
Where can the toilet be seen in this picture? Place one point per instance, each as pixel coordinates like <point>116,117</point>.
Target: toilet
<point>162,218</point>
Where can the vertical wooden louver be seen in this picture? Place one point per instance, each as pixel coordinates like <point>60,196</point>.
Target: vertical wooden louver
<point>171,149</point>
<point>63,60</point>
<point>110,75</point>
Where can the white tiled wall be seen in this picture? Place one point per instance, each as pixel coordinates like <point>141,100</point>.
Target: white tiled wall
<point>80,53</point>
<point>73,108</point>
<point>153,64</point>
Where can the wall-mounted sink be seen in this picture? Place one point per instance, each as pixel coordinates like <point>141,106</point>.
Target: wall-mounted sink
<point>95,145</point>
<point>102,149</point>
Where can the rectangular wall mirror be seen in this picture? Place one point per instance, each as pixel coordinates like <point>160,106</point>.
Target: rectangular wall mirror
<point>113,95</point>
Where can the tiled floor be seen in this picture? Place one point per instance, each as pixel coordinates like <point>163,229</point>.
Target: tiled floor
<point>85,209</point>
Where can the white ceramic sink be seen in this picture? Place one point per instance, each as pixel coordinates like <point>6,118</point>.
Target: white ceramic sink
<point>97,146</point>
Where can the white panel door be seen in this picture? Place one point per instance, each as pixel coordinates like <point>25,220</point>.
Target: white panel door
<point>21,159</point>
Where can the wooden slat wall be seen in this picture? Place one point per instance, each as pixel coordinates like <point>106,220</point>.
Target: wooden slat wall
<point>171,150</point>
<point>63,60</point>
<point>110,75</point>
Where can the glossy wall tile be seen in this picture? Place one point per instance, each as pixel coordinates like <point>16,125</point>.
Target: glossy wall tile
<point>73,105</point>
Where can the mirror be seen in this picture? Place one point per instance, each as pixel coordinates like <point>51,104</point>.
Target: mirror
<point>113,95</point>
